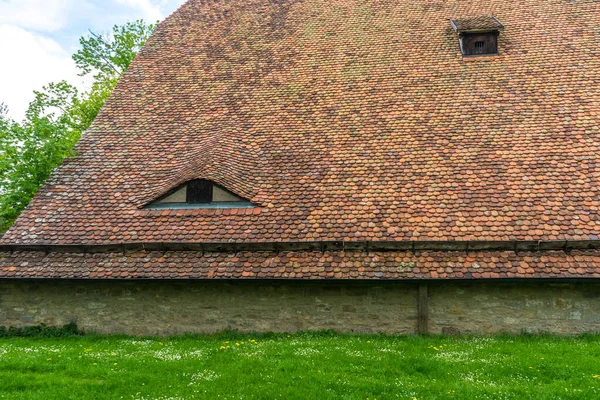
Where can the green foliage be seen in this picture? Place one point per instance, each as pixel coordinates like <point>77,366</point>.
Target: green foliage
<point>35,147</point>
<point>306,365</point>
<point>59,115</point>
<point>40,331</point>
<point>108,56</point>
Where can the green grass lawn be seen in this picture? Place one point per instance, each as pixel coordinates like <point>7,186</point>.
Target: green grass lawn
<point>300,366</point>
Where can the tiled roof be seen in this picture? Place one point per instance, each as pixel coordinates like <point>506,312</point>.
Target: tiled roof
<point>478,23</point>
<point>343,120</point>
<point>302,265</point>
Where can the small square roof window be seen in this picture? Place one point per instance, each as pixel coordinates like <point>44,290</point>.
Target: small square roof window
<point>478,36</point>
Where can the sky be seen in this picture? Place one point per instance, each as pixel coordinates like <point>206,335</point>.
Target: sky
<point>38,37</point>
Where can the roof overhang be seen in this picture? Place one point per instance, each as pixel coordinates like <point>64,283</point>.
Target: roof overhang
<point>480,24</point>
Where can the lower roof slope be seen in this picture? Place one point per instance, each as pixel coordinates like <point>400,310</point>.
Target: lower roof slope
<point>303,265</point>
<point>343,120</point>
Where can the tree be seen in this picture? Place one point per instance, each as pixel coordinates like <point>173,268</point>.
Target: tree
<point>59,114</point>
<point>34,148</point>
<point>108,56</point>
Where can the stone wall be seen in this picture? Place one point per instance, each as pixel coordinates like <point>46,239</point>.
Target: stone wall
<point>174,307</point>
<point>514,307</point>
<point>154,307</point>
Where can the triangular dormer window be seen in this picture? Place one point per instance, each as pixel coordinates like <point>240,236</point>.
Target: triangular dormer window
<point>199,193</point>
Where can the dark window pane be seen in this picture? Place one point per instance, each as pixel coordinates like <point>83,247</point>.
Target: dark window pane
<point>199,191</point>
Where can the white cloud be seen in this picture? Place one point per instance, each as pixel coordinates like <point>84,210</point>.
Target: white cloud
<point>150,12</point>
<point>42,15</point>
<point>37,38</point>
<point>30,61</point>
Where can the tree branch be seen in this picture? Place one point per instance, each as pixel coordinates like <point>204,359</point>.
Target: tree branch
<point>99,54</point>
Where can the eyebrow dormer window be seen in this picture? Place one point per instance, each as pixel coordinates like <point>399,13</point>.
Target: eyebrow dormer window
<point>199,193</point>
<point>478,36</point>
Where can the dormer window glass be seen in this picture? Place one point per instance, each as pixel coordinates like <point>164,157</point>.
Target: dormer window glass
<point>199,193</point>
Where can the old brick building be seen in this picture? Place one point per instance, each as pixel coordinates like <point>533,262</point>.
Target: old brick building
<point>394,166</point>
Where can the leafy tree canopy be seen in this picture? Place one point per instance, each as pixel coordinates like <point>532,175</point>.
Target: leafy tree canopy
<point>108,56</point>
<point>59,114</point>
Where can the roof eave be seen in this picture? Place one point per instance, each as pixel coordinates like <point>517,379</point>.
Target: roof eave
<point>364,246</point>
